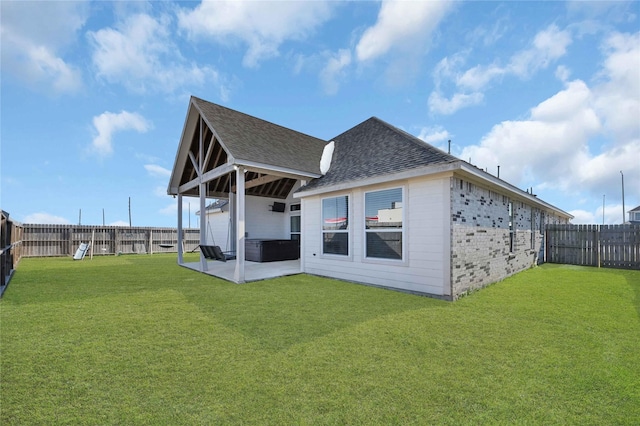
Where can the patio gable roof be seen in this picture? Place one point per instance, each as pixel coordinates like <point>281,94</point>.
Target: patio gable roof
<point>273,155</point>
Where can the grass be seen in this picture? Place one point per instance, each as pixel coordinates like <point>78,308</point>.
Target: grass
<point>139,340</point>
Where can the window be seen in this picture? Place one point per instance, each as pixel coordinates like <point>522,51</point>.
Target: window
<point>295,227</point>
<point>511,227</point>
<point>383,224</point>
<point>637,216</point>
<point>294,221</point>
<point>335,225</point>
<point>533,229</point>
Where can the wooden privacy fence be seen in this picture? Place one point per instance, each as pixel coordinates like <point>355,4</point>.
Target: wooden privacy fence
<point>64,240</point>
<point>607,246</point>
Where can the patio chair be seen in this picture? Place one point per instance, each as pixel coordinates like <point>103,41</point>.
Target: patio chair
<point>223,256</point>
<point>216,253</point>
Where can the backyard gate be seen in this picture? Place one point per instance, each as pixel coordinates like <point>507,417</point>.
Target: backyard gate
<point>607,246</point>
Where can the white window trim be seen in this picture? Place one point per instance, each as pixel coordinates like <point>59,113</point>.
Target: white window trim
<point>405,207</point>
<point>348,231</point>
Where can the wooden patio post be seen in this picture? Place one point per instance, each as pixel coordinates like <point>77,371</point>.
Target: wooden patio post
<point>238,276</point>
<point>179,242</point>
<point>202,190</point>
<point>203,225</point>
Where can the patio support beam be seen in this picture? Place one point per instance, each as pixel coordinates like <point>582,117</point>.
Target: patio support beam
<point>203,224</point>
<point>208,176</point>
<point>195,165</point>
<point>259,181</point>
<point>180,257</point>
<point>207,157</point>
<point>238,276</point>
<point>203,198</point>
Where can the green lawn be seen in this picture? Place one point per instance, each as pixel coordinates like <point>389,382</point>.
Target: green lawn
<point>139,340</point>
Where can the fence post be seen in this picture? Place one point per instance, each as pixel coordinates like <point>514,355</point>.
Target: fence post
<point>598,242</point>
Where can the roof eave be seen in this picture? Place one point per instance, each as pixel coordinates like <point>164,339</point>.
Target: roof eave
<point>374,180</point>
<point>480,174</point>
<point>459,167</point>
<point>181,155</point>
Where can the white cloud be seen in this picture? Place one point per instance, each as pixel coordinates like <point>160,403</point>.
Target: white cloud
<point>547,46</point>
<point>433,135</point>
<point>441,105</point>
<point>550,145</point>
<point>479,76</point>
<point>140,55</point>
<point>160,191</point>
<point>170,210</point>
<point>618,97</point>
<point>45,218</point>
<point>579,139</point>
<point>402,28</point>
<point>612,215</point>
<point>33,36</point>
<point>108,123</point>
<point>157,171</point>
<point>262,26</point>
<point>334,71</point>
<point>563,73</point>
<point>401,25</point>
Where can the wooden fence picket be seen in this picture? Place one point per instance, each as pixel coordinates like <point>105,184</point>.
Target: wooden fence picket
<point>63,240</point>
<point>608,246</point>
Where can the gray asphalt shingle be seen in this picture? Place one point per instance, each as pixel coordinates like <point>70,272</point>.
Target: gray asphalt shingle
<point>376,148</point>
<point>256,140</point>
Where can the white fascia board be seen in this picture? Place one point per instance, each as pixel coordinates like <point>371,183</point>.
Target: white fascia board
<point>182,154</point>
<point>446,169</point>
<point>467,169</point>
<point>274,170</point>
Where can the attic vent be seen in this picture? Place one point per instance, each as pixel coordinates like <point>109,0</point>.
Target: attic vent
<point>325,160</point>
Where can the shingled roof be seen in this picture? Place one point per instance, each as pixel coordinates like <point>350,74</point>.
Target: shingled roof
<point>376,148</point>
<point>258,141</point>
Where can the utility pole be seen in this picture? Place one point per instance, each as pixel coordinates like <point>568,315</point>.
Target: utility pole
<point>103,216</point>
<point>129,212</point>
<point>80,217</point>
<point>623,212</point>
<point>603,197</point>
<point>189,206</point>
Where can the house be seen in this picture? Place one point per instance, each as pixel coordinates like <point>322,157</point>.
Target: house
<point>634,215</point>
<point>217,224</point>
<point>391,210</point>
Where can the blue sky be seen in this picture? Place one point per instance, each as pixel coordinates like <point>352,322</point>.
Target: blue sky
<point>94,94</point>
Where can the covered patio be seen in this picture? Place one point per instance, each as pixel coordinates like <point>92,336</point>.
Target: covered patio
<point>225,154</point>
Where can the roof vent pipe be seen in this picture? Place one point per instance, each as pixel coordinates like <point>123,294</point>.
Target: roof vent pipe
<point>449,151</point>
<point>498,172</point>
